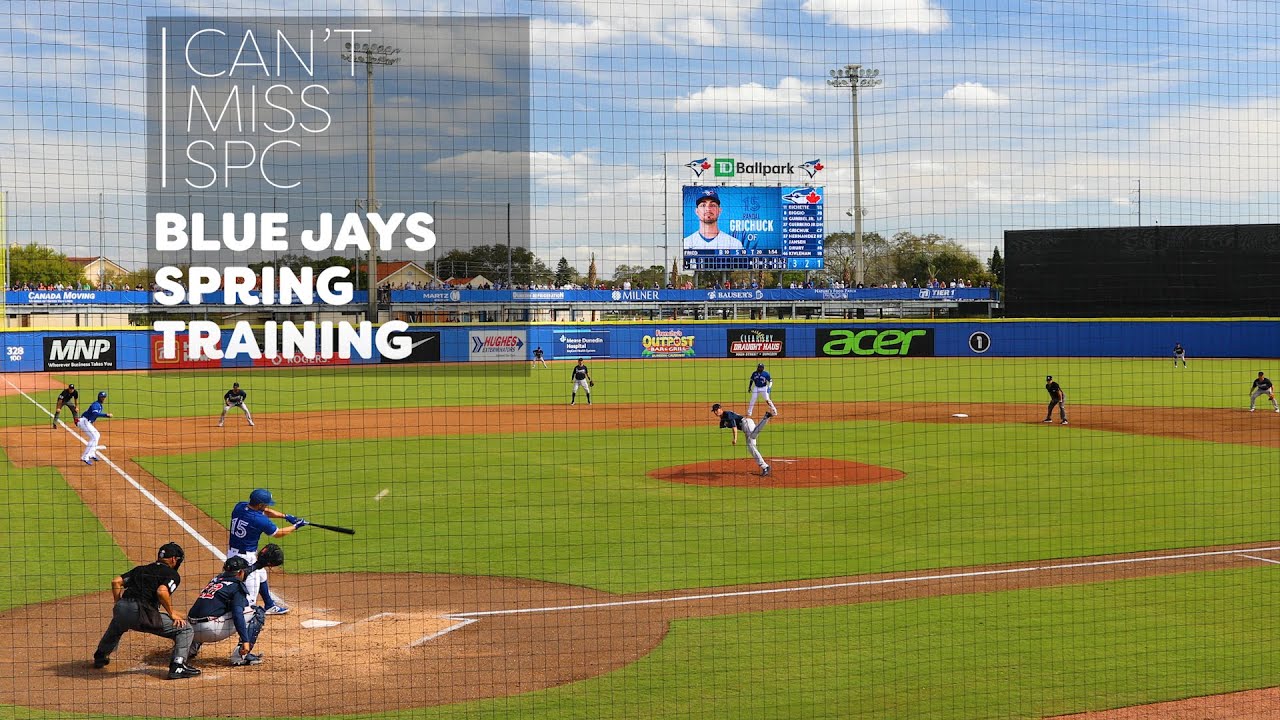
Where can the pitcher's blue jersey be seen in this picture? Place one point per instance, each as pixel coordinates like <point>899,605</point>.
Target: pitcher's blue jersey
<point>247,525</point>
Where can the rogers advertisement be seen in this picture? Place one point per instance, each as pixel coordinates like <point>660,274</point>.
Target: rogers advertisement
<point>182,342</point>
<point>757,343</point>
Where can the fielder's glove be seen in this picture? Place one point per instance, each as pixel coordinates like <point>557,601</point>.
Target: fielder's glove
<point>271,555</point>
<point>591,383</point>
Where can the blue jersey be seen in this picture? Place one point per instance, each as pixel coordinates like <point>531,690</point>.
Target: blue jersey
<point>247,525</point>
<point>731,420</point>
<point>760,379</point>
<point>94,412</point>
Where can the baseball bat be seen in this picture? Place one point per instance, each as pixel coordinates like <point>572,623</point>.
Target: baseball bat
<point>332,528</point>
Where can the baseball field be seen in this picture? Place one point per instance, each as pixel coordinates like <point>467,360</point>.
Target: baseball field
<point>926,547</point>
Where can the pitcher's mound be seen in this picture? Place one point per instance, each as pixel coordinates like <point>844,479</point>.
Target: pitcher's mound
<point>786,473</point>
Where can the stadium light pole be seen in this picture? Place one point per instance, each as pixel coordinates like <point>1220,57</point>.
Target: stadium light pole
<point>854,77</point>
<point>371,54</point>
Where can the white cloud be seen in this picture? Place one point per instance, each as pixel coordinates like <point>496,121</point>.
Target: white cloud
<point>883,15</point>
<point>549,38</point>
<point>788,96</point>
<point>972,94</point>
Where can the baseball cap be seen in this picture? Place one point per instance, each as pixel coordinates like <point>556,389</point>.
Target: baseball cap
<point>1048,377</point>
<point>102,394</point>
<point>72,386</point>
<point>261,496</point>
<point>708,195</point>
<point>235,385</point>
<point>760,366</point>
<point>715,407</point>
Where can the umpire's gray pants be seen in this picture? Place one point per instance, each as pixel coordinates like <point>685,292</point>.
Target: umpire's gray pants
<point>127,615</point>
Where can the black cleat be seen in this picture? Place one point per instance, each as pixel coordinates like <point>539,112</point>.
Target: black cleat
<point>179,672</point>
<point>766,472</point>
<point>768,415</point>
<point>101,661</point>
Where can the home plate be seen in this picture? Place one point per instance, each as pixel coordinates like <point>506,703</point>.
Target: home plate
<point>311,624</point>
<point>959,415</point>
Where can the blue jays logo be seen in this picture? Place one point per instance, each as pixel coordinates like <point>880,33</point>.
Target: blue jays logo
<point>698,166</point>
<point>802,196</point>
<point>812,167</point>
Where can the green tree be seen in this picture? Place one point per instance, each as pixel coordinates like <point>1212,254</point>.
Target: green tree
<point>42,266</point>
<point>640,276</point>
<point>491,261</point>
<point>593,277</point>
<point>932,256</point>
<point>841,254</point>
<point>996,266</point>
<point>565,274</point>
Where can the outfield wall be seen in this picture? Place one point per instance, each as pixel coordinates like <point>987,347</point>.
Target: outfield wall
<point>57,351</point>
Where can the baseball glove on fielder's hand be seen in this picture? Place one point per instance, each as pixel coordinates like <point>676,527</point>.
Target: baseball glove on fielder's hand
<point>271,555</point>
<point>591,383</point>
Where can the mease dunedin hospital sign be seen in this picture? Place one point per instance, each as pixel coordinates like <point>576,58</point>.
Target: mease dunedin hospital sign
<point>93,352</point>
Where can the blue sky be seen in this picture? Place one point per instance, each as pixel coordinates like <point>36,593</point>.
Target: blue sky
<point>992,115</point>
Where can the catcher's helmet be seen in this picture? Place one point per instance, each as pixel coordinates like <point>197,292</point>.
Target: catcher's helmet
<point>171,550</point>
<point>235,564</point>
<point>261,496</point>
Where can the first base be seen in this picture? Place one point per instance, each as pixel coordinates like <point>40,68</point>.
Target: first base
<point>311,624</point>
<point>959,415</point>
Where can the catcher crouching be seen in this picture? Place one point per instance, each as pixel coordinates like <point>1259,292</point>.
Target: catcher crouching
<point>222,608</point>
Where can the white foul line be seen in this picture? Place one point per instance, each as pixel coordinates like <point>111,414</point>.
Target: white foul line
<point>145,493</point>
<point>862,583</point>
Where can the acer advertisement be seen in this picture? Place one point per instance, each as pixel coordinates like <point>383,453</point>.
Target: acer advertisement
<point>874,342</point>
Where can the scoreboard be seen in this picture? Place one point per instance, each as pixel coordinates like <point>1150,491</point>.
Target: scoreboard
<point>755,228</point>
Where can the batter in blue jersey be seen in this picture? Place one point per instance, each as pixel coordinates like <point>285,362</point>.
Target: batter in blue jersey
<point>249,522</point>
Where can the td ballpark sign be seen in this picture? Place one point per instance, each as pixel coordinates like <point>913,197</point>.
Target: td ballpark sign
<point>732,167</point>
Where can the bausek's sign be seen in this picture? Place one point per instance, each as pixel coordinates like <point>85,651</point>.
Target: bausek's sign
<point>727,167</point>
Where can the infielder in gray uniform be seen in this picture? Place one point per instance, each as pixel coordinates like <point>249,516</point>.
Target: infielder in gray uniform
<point>1262,385</point>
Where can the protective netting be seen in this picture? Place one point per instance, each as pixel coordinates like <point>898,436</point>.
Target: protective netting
<point>683,389</point>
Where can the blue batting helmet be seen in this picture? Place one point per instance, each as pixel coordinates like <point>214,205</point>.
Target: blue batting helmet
<point>261,497</point>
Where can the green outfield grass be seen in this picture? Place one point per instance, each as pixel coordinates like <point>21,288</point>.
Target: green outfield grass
<point>1087,381</point>
<point>578,508</point>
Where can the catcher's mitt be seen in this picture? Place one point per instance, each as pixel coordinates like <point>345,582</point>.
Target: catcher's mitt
<point>271,555</point>
<point>591,383</point>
